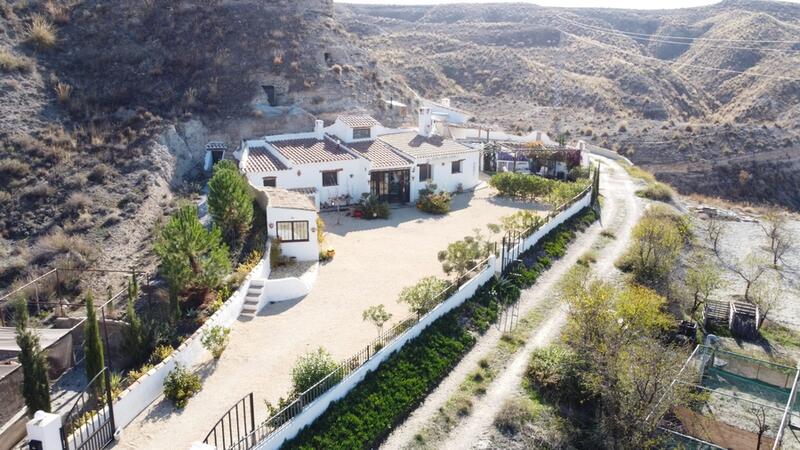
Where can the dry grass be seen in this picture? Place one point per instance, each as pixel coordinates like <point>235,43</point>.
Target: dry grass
<point>63,91</point>
<point>10,62</point>
<point>77,203</point>
<point>13,168</point>
<point>657,191</point>
<point>638,172</point>
<point>59,243</point>
<point>41,32</point>
<point>59,12</point>
<point>39,190</point>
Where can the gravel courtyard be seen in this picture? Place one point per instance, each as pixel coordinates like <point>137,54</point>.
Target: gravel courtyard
<point>374,261</point>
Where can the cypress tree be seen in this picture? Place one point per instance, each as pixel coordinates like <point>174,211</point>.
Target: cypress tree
<point>35,385</point>
<point>92,345</point>
<point>230,203</point>
<point>136,341</point>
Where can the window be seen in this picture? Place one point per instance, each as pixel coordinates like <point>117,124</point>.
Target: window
<point>455,167</point>
<point>361,133</point>
<point>269,181</point>
<point>424,172</point>
<point>294,231</point>
<point>330,178</point>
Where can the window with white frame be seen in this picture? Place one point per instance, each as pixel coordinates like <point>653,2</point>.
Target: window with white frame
<point>455,166</point>
<point>361,133</point>
<point>292,231</point>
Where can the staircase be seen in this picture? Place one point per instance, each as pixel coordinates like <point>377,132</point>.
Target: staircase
<point>250,308</point>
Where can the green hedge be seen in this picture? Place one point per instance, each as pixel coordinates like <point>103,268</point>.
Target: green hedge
<point>367,414</point>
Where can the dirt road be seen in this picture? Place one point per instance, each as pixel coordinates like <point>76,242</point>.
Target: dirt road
<point>621,210</point>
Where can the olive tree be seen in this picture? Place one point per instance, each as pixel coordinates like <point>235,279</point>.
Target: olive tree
<point>779,238</point>
<point>422,296</point>
<point>462,256</point>
<point>378,315</point>
<point>703,278</point>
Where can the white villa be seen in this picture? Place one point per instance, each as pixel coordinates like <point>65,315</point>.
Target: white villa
<point>355,155</point>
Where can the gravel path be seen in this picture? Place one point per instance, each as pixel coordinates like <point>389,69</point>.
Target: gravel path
<point>621,210</point>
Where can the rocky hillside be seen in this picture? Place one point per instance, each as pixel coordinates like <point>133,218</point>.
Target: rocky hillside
<point>105,106</point>
<point>708,98</point>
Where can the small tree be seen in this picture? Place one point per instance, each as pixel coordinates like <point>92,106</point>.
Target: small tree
<point>462,256</point>
<point>778,236</point>
<point>35,385</point>
<point>749,270</point>
<point>760,421</point>
<point>714,229</point>
<point>215,339</point>
<point>230,203</point>
<point>378,315</point>
<point>192,257</point>
<point>765,293</point>
<point>311,368</point>
<point>135,337</point>
<point>92,345</point>
<point>702,279</point>
<point>422,296</point>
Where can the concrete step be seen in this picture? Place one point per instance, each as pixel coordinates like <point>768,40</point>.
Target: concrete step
<point>256,283</point>
<point>249,310</point>
<point>254,292</point>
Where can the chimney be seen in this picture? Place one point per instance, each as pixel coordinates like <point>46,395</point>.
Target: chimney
<point>425,121</point>
<point>445,102</point>
<point>318,129</point>
<point>539,136</point>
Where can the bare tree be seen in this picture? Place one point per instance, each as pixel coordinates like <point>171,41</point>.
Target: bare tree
<point>749,270</point>
<point>715,229</point>
<point>760,421</point>
<point>774,225</point>
<point>766,293</point>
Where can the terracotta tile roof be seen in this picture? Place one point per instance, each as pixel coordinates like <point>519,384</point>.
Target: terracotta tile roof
<point>381,154</point>
<point>282,198</point>
<point>306,151</point>
<point>261,160</point>
<point>360,121</point>
<point>418,146</point>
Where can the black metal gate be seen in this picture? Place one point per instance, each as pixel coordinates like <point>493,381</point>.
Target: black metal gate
<point>89,424</point>
<point>235,425</point>
<point>510,250</point>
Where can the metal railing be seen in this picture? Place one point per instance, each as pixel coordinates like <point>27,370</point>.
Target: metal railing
<point>240,419</point>
<point>285,415</point>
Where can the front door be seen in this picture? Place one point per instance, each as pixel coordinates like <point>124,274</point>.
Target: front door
<point>391,186</point>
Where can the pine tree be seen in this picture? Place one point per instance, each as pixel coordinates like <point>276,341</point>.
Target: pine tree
<point>192,257</point>
<point>92,345</point>
<point>230,203</point>
<point>35,385</point>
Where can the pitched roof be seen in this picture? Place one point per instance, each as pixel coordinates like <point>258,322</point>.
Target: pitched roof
<point>309,150</point>
<point>381,154</point>
<point>282,198</point>
<point>261,160</point>
<point>419,146</point>
<point>358,121</point>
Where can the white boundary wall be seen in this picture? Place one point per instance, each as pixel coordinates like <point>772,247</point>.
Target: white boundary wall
<point>318,406</point>
<point>315,409</point>
<point>138,396</point>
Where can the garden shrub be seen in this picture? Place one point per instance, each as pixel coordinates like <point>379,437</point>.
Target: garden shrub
<point>161,353</point>
<point>371,207</point>
<point>464,255</point>
<point>215,339</point>
<point>181,385</point>
<point>432,202</point>
<point>534,187</point>
<point>311,368</point>
<point>424,295</point>
<point>554,372</point>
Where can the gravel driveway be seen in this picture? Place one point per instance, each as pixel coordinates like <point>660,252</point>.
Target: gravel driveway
<point>374,261</point>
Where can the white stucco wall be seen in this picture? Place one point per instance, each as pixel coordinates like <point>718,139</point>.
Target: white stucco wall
<point>303,251</point>
<point>441,176</point>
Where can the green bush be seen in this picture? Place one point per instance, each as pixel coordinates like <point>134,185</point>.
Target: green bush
<point>424,295</point>
<point>181,385</point>
<point>533,187</point>
<point>464,255</point>
<point>657,191</point>
<point>161,353</point>
<point>432,202</point>
<point>311,368</point>
<point>371,207</point>
<point>215,339</point>
<point>554,372</point>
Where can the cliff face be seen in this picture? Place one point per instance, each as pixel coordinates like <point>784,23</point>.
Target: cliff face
<point>102,127</point>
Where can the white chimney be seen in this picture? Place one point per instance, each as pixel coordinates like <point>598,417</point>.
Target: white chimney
<point>319,129</point>
<point>445,102</point>
<point>539,136</point>
<point>425,121</point>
